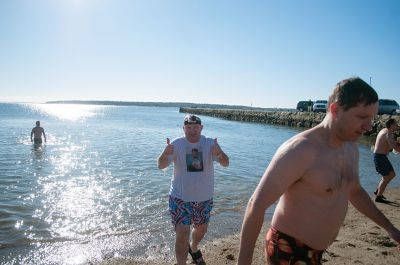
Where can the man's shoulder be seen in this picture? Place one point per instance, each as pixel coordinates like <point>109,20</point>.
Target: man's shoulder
<point>303,139</point>
<point>384,131</point>
<point>178,140</point>
<point>297,145</point>
<point>303,145</point>
<point>206,138</point>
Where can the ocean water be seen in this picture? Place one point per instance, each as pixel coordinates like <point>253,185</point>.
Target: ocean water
<point>94,192</point>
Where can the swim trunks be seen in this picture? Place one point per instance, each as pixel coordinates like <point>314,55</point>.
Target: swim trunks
<point>281,248</point>
<point>382,164</point>
<point>37,140</point>
<point>187,213</point>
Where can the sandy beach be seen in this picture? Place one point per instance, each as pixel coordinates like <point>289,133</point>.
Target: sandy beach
<point>360,241</point>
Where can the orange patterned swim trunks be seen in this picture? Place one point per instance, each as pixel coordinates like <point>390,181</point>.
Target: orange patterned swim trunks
<point>282,249</point>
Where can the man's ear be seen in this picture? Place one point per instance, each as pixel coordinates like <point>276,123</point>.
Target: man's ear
<point>334,108</point>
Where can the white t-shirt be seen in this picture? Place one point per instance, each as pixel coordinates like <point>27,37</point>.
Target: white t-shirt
<point>193,178</point>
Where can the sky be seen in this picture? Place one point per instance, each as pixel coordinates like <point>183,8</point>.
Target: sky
<point>259,53</point>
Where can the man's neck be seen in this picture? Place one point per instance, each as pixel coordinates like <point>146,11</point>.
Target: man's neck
<point>332,139</point>
<point>193,141</point>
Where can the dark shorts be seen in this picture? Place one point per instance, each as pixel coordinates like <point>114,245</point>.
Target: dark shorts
<point>281,248</point>
<point>37,140</point>
<point>382,164</point>
<point>187,213</point>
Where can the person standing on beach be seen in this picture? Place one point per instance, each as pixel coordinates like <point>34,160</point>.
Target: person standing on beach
<point>192,186</point>
<point>385,142</point>
<point>36,133</point>
<point>314,175</point>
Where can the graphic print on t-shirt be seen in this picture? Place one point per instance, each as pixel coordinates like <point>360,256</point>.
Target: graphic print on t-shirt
<point>194,160</point>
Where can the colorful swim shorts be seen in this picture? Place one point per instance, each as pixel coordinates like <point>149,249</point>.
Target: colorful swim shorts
<point>281,248</point>
<point>187,213</point>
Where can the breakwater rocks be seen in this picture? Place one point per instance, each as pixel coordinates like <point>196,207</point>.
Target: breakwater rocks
<point>286,118</point>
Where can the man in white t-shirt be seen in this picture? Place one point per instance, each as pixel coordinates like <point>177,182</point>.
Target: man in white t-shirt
<point>192,186</point>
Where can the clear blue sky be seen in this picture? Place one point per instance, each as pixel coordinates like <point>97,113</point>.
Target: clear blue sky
<point>261,53</point>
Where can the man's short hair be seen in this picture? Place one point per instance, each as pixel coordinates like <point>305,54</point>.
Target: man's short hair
<point>390,122</point>
<point>191,119</point>
<point>351,92</point>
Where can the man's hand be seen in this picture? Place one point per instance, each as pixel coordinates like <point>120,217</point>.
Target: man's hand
<point>395,235</point>
<point>169,149</point>
<point>216,149</point>
<point>163,158</point>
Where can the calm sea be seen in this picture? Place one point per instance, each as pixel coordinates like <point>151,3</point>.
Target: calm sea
<point>94,192</point>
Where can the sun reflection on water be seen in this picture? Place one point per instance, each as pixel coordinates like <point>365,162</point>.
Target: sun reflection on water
<point>71,112</point>
<point>76,197</point>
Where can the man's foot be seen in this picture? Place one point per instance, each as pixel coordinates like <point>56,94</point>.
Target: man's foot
<point>197,257</point>
<point>376,193</point>
<point>381,199</point>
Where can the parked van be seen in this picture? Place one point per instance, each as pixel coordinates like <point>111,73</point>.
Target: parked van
<point>388,106</point>
<point>320,106</point>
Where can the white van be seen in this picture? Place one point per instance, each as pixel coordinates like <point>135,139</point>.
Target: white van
<point>320,106</point>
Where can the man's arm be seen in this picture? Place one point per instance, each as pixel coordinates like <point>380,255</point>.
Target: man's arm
<point>44,135</point>
<point>360,199</point>
<point>216,150</point>
<point>163,161</point>
<point>223,159</point>
<point>392,142</point>
<point>277,179</point>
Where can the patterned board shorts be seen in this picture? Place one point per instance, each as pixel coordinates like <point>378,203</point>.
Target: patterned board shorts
<point>187,213</point>
<point>281,248</point>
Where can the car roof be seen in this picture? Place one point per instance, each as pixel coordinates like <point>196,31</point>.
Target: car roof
<point>387,100</point>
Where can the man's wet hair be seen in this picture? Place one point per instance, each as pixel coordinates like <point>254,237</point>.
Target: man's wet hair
<point>351,92</point>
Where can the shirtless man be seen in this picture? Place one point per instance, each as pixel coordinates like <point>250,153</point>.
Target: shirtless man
<point>36,133</point>
<point>314,175</point>
<point>385,142</point>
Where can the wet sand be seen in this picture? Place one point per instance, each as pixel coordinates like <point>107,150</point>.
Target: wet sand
<point>360,241</point>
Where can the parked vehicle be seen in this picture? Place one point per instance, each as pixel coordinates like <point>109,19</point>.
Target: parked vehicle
<point>320,106</point>
<point>304,104</point>
<point>388,106</point>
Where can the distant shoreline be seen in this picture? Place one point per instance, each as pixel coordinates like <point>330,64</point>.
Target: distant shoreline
<point>166,104</point>
<point>286,118</point>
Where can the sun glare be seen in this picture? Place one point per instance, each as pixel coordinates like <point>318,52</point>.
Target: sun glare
<point>72,112</point>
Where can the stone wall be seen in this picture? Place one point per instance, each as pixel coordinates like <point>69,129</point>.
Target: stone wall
<point>287,118</point>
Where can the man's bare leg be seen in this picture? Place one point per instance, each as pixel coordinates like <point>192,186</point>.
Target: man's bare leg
<point>384,182</point>
<point>198,233</point>
<point>182,243</point>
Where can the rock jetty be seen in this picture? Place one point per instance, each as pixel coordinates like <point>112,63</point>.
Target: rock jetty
<point>286,118</point>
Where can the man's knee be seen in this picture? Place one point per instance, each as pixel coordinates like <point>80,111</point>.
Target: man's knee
<point>201,229</point>
<point>390,176</point>
<point>182,233</point>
